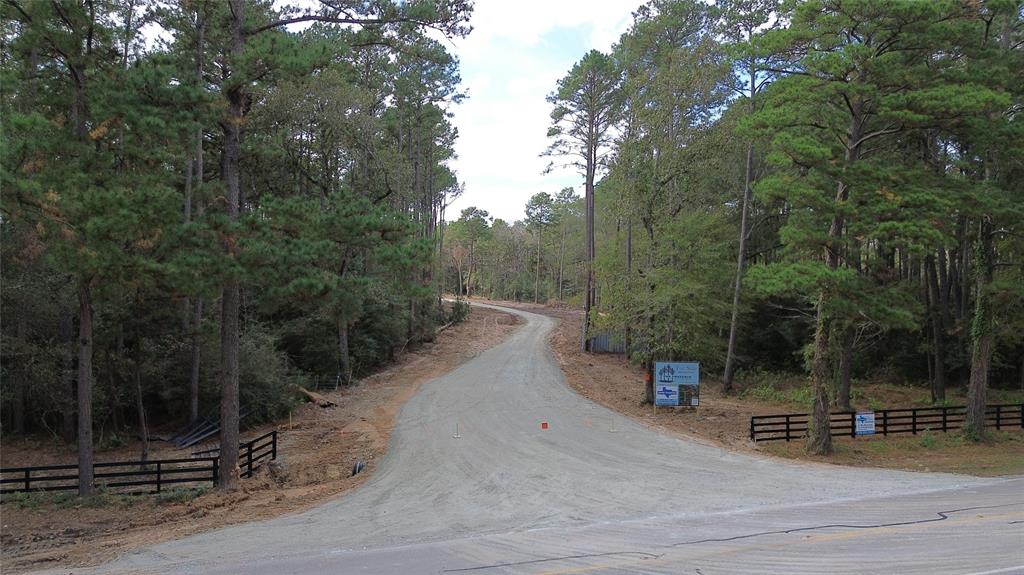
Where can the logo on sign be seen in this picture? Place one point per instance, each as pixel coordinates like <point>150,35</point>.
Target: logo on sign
<point>864,423</point>
<point>666,394</point>
<point>666,374</point>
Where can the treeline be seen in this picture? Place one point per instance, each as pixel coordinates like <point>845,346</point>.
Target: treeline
<point>205,202</point>
<point>835,187</point>
<point>536,259</point>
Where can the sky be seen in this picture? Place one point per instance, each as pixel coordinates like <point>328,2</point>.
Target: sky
<point>509,63</point>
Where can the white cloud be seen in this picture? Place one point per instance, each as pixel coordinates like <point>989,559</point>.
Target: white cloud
<point>511,61</point>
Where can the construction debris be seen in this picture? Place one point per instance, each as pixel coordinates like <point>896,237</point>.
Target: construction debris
<point>317,398</point>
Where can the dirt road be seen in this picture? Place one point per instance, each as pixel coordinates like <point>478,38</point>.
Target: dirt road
<point>472,481</point>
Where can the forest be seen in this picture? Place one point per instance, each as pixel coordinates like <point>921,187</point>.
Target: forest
<point>830,188</point>
<point>206,203</point>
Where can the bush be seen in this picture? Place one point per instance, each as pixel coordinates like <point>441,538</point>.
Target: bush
<point>26,500</point>
<point>776,387</point>
<point>459,312</point>
<point>265,378</point>
<point>928,440</point>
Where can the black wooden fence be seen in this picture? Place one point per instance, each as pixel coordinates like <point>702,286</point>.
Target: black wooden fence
<point>117,476</point>
<point>887,421</point>
<point>251,453</point>
<point>136,477</point>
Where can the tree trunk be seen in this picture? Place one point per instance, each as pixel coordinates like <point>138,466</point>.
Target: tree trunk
<point>197,307</point>
<point>629,279</point>
<point>469,272</point>
<point>67,338</point>
<point>730,354</point>
<point>18,409</point>
<point>229,385</point>
<point>981,334</point>
<point>85,471</point>
<point>193,387</point>
<point>344,361</point>
<point>651,261</point>
<point>845,369</point>
<point>231,291</point>
<point>944,289</point>
<point>588,300</point>
<point>819,433</point>
<point>443,272</point>
<point>935,302</point>
<point>561,263</point>
<point>139,404</point>
<point>536,279</point>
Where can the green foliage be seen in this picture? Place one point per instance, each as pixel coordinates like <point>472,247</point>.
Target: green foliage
<point>460,310</point>
<point>27,499</point>
<point>773,387</point>
<point>180,495</point>
<point>927,439</point>
<point>343,176</point>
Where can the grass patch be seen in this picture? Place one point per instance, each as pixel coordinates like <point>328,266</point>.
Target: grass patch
<point>180,495</point>
<point>58,500</point>
<point>927,440</point>
<point>1002,453</point>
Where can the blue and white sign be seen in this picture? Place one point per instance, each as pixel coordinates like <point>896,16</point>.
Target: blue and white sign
<point>666,394</point>
<point>677,372</point>
<point>864,423</point>
<point>681,376</point>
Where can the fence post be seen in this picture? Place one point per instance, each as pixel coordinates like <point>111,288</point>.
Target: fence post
<point>999,410</point>
<point>913,421</point>
<point>945,411</point>
<point>885,422</point>
<point>216,465</point>
<point>28,478</point>
<point>248,458</point>
<point>158,477</point>
<point>752,437</point>
<point>273,442</point>
<point>853,425</point>
<point>787,427</point>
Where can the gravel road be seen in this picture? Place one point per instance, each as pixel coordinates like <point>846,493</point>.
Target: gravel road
<point>470,469</point>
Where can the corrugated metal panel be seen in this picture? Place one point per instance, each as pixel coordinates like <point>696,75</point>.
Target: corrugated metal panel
<point>607,343</point>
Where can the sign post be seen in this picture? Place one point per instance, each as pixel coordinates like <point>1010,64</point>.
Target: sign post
<point>676,383</point>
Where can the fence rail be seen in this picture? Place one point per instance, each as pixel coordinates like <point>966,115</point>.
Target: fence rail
<point>134,477</point>
<point>792,426</point>
<point>114,475</point>
<point>251,453</point>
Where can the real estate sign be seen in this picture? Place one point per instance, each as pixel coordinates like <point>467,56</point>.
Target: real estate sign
<point>677,383</point>
<point>864,423</point>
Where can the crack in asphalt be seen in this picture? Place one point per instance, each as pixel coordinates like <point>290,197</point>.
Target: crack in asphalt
<point>942,516</point>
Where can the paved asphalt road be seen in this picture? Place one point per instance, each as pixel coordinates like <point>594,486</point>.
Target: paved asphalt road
<point>599,493</point>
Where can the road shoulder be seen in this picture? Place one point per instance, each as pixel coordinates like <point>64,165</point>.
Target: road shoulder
<point>317,450</point>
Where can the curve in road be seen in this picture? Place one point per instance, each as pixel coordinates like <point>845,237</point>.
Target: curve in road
<point>469,458</point>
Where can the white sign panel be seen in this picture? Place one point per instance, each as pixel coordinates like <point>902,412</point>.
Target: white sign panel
<point>666,394</point>
<point>864,423</point>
